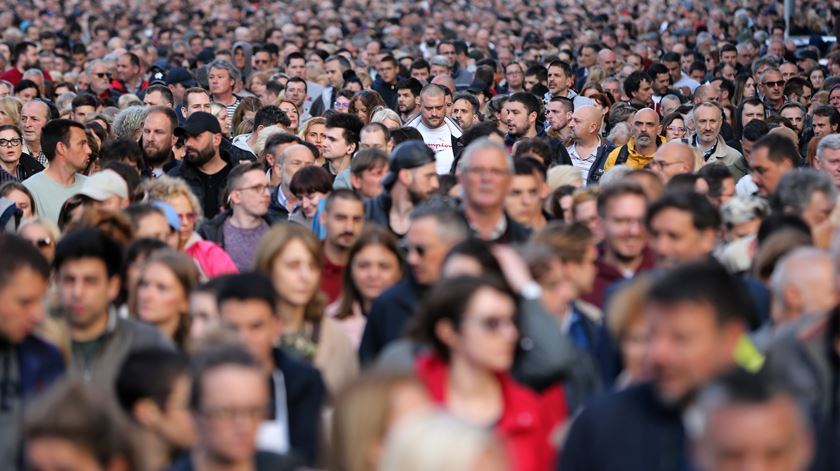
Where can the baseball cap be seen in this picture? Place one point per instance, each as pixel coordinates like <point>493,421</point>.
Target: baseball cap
<point>477,86</point>
<point>410,154</point>
<point>182,76</point>
<point>103,185</point>
<point>171,214</point>
<point>198,123</point>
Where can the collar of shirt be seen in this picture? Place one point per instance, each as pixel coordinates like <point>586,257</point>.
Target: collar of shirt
<point>574,153</point>
<point>706,153</point>
<point>497,231</point>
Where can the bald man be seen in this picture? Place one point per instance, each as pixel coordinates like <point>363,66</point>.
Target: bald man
<point>638,152</point>
<point>802,283</point>
<point>586,126</point>
<point>706,93</point>
<point>672,158</point>
<point>607,61</point>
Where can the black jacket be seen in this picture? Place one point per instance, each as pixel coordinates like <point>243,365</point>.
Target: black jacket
<point>305,396</point>
<point>27,166</point>
<point>234,155</point>
<point>514,232</point>
<point>597,169</point>
<point>388,317</point>
<point>276,211</point>
<point>388,91</point>
<point>559,152</point>
<point>263,461</point>
<point>202,185</point>
<point>630,430</point>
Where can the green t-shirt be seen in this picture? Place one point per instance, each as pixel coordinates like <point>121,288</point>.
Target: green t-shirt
<point>49,195</point>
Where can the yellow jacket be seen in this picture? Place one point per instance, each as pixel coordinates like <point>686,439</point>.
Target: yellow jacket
<point>635,159</point>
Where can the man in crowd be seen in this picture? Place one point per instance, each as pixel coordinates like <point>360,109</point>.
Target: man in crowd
<point>524,201</point>
<point>708,119</point>
<point>683,227</point>
<point>33,116</point>
<point>671,159</point>
<point>520,113</point>
<point>284,165</point>
<point>342,141</point>
<point>343,219</point>
<point>639,151</point>
<point>586,128</point>
<point>159,139</point>
<point>439,132</point>
<point>24,57</point>
<point>465,109</point>
<point>222,77</point>
<point>408,98</point>
<point>335,66</point>
<point>771,158</point>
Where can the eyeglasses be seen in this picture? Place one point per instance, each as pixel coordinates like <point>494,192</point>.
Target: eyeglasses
<point>421,249</point>
<point>230,413</point>
<point>777,83</point>
<point>260,61</point>
<point>190,217</point>
<point>102,74</point>
<point>10,142</point>
<point>258,188</point>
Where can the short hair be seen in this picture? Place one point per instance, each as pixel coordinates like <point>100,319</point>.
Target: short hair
<point>341,193</point>
<point>115,150</point>
<point>535,146</point>
<point>367,159</point>
<point>237,172</point>
<point>797,187</point>
<point>89,242</point>
<point>706,282</point>
<point>451,225</point>
<point>26,83</point>
<point>213,358</point>
<point>412,84</point>
<point>528,100</point>
<point>311,179</point>
<point>537,70</point>
<point>568,241</point>
<point>192,91</point>
<point>133,58</point>
<point>658,68</point>
<point>704,216</point>
<point>350,124</point>
<point>796,85</point>
<point>292,56</point>
<point>530,167</point>
<point>714,175</point>
<point>484,143</point>
<point>829,142</point>
<point>376,127</point>
<point>84,99</point>
<point>26,255</point>
<point>828,111</point>
<point>568,103</point>
<point>567,68</point>
<point>405,134</point>
<point>634,81</point>
<point>741,209</point>
<point>755,130</point>
<point>270,115</point>
<point>297,80</point>
<point>164,91</point>
<point>280,138</point>
<point>149,373</point>
<point>248,286</point>
<point>168,112</point>
<point>55,131</point>
<point>20,49</point>
<point>232,71</point>
<point>470,98</point>
<point>614,190</point>
<point>420,64</point>
<point>779,148</point>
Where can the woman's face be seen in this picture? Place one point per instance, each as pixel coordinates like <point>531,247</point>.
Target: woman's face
<point>309,203</point>
<point>41,238</point>
<point>160,297</point>
<point>222,117</point>
<point>675,130</point>
<point>342,104</point>
<point>239,58</point>
<point>11,146</point>
<point>749,88</point>
<point>360,110</point>
<point>374,269</point>
<point>296,274</point>
<point>257,86</point>
<point>27,94</point>
<point>22,201</point>
<point>817,79</point>
<point>6,119</point>
<point>316,135</point>
<point>204,314</point>
<point>187,215</point>
<point>291,112</point>
<point>633,346</point>
<point>488,334</point>
<point>391,124</point>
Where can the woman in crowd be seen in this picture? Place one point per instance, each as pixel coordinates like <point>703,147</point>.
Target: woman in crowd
<point>364,103</point>
<point>13,161</point>
<point>744,88</point>
<point>292,112</point>
<point>43,234</point>
<point>220,112</point>
<point>673,127</point>
<point>342,100</point>
<point>626,325</point>
<point>310,185</point>
<point>817,77</point>
<point>10,110</point>
<point>246,110</point>
<point>388,117</point>
<point>163,291</point>
<point>314,131</point>
<point>471,325</point>
<point>291,256</point>
<point>374,265</point>
<point>22,197</point>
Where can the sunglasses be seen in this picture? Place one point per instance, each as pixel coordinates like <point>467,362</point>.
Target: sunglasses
<point>421,249</point>
<point>190,217</point>
<point>778,83</point>
<point>43,242</point>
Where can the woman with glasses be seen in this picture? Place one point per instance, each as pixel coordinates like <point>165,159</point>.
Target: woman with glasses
<point>471,325</point>
<point>15,191</point>
<point>292,257</point>
<point>14,164</point>
<point>212,259</point>
<point>342,100</point>
<point>673,127</point>
<point>42,233</point>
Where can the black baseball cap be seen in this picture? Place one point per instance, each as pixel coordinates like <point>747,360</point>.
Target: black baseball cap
<point>182,76</point>
<point>198,123</point>
<point>409,154</point>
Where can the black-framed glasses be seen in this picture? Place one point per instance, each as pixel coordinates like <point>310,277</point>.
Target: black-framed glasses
<point>777,83</point>
<point>10,142</point>
<point>421,249</point>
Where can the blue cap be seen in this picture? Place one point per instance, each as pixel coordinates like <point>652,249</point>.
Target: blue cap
<point>170,213</point>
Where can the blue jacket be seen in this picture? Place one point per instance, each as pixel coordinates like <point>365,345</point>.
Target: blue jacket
<point>40,365</point>
<point>305,395</point>
<point>388,318</point>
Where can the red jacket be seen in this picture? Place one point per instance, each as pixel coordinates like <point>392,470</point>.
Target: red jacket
<point>608,274</point>
<point>526,423</point>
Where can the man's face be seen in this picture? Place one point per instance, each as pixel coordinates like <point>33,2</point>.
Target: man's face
<point>462,113</point>
<point>369,183</point>
<point>558,81</point>
<point>751,112</point>
<point>80,112</point>
<point>523,202</point>
<point>438,69</point>
<point>661,83</point>
<point>295,160</point>
<point>388,71</point>
<point>220,82</point>
<point>425,250</point>
<point>343,222</point>
<point>200,149</point>
<point>644,93</point>
<point>296,68</point>
<point>675,240</point>
<point>624,226</point>
<point>557,116</point>
<point>447,50</point>
<point>157,137</point>
<point>406,101</point>
<point>252,195</point>
<point>687,347</point>
<point>829,163</point>
<point>296,92</point>
<point>126,71</point>
<point>373,139</point>
<point>335,146</point>
<point>708,122</point>
<point>21,304</point>
<point>686,60</point>
<point>77,150</point>
<point>33,117</point>
<point>423,182</point>
<point>769,436</point>
<point>674,70</point>
<point>334,74</point>
<point>515,76</point>
<point>789,70</point>
<point>85,291</point>
<point>530,82</point>
<point>794,115</point>
<point>486,180</point>
<point>233,405</point>
<point>773,85</point>
<point>821,124</point>
<point>262,60</point>
<point>766,174</point>
<point>196,102</point>
<point>519,122</point>
<point>646,127</point>
<point>255,325</point>
<point>30,58</point>
<point>433,110</point>
<point>422,74</point>
<point>818,210</point>
<point>587,57</point>
<point>729,56</point>
<point>155,98</point>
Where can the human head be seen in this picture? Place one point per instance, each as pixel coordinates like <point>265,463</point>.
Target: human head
<point>827,157</point>
<point>638,87</point>
<point>195,99</point>
<point>343,219</point>
<point>708,119</point>
<point>672,158</point>
<point>248,192</point>
<point>586,123</point>
<point>809,194</point>
<point>772,85</point>
<point>559,77</point>
<point>310,185</point>
<point>622,207</point>
<point>524,201</point>
<point>222,77</point>
<point>33,116</point>
<point>367,169</point>
<point>159,135</point>
<point>824,121</point>
<point>435,228</point>
<point>23,281</point>
<point>683,227</point>
<point>520,113</point>
<point>772,156</point>
<point>342,135</point>
<point>465,109</point>
<point>646,127</point>
<point>247,305</point>
<point>432,106</point>
<point>485,173</point>
<point>292,257</point>
<point>558,113</point>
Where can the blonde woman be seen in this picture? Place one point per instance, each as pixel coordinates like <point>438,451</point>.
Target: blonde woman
<point>10,110</point>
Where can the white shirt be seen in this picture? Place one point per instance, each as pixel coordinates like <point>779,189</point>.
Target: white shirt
<point>746,186</point>
<point>583,162</point>
<point>439,140</point>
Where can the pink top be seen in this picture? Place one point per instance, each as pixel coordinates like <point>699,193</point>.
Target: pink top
<point>354,325</point>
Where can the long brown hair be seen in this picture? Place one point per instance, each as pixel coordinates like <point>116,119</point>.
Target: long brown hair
<point>186,273</point>
<point>372,235</point>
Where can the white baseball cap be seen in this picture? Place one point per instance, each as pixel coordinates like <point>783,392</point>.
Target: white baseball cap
<point>103,185</point>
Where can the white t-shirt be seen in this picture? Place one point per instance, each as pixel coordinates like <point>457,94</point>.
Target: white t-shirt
<point>439,140</point>
<point>746,186</point>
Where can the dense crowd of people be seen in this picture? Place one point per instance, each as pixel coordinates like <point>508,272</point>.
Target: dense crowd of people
<point>448,235</point>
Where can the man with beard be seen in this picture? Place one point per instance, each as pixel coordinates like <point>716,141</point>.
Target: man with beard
<point>408,98</point>
<point>286,157</point>
<point>158,140</point>
<point>697,315</point>
<point>708,119</point>
<point>440,133</point>
<point>639,151</point>
<point>411,179</point>
<point>24,56</point>
<point>343,219</point>
<point>520,114</point>
<point>204,168</point>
